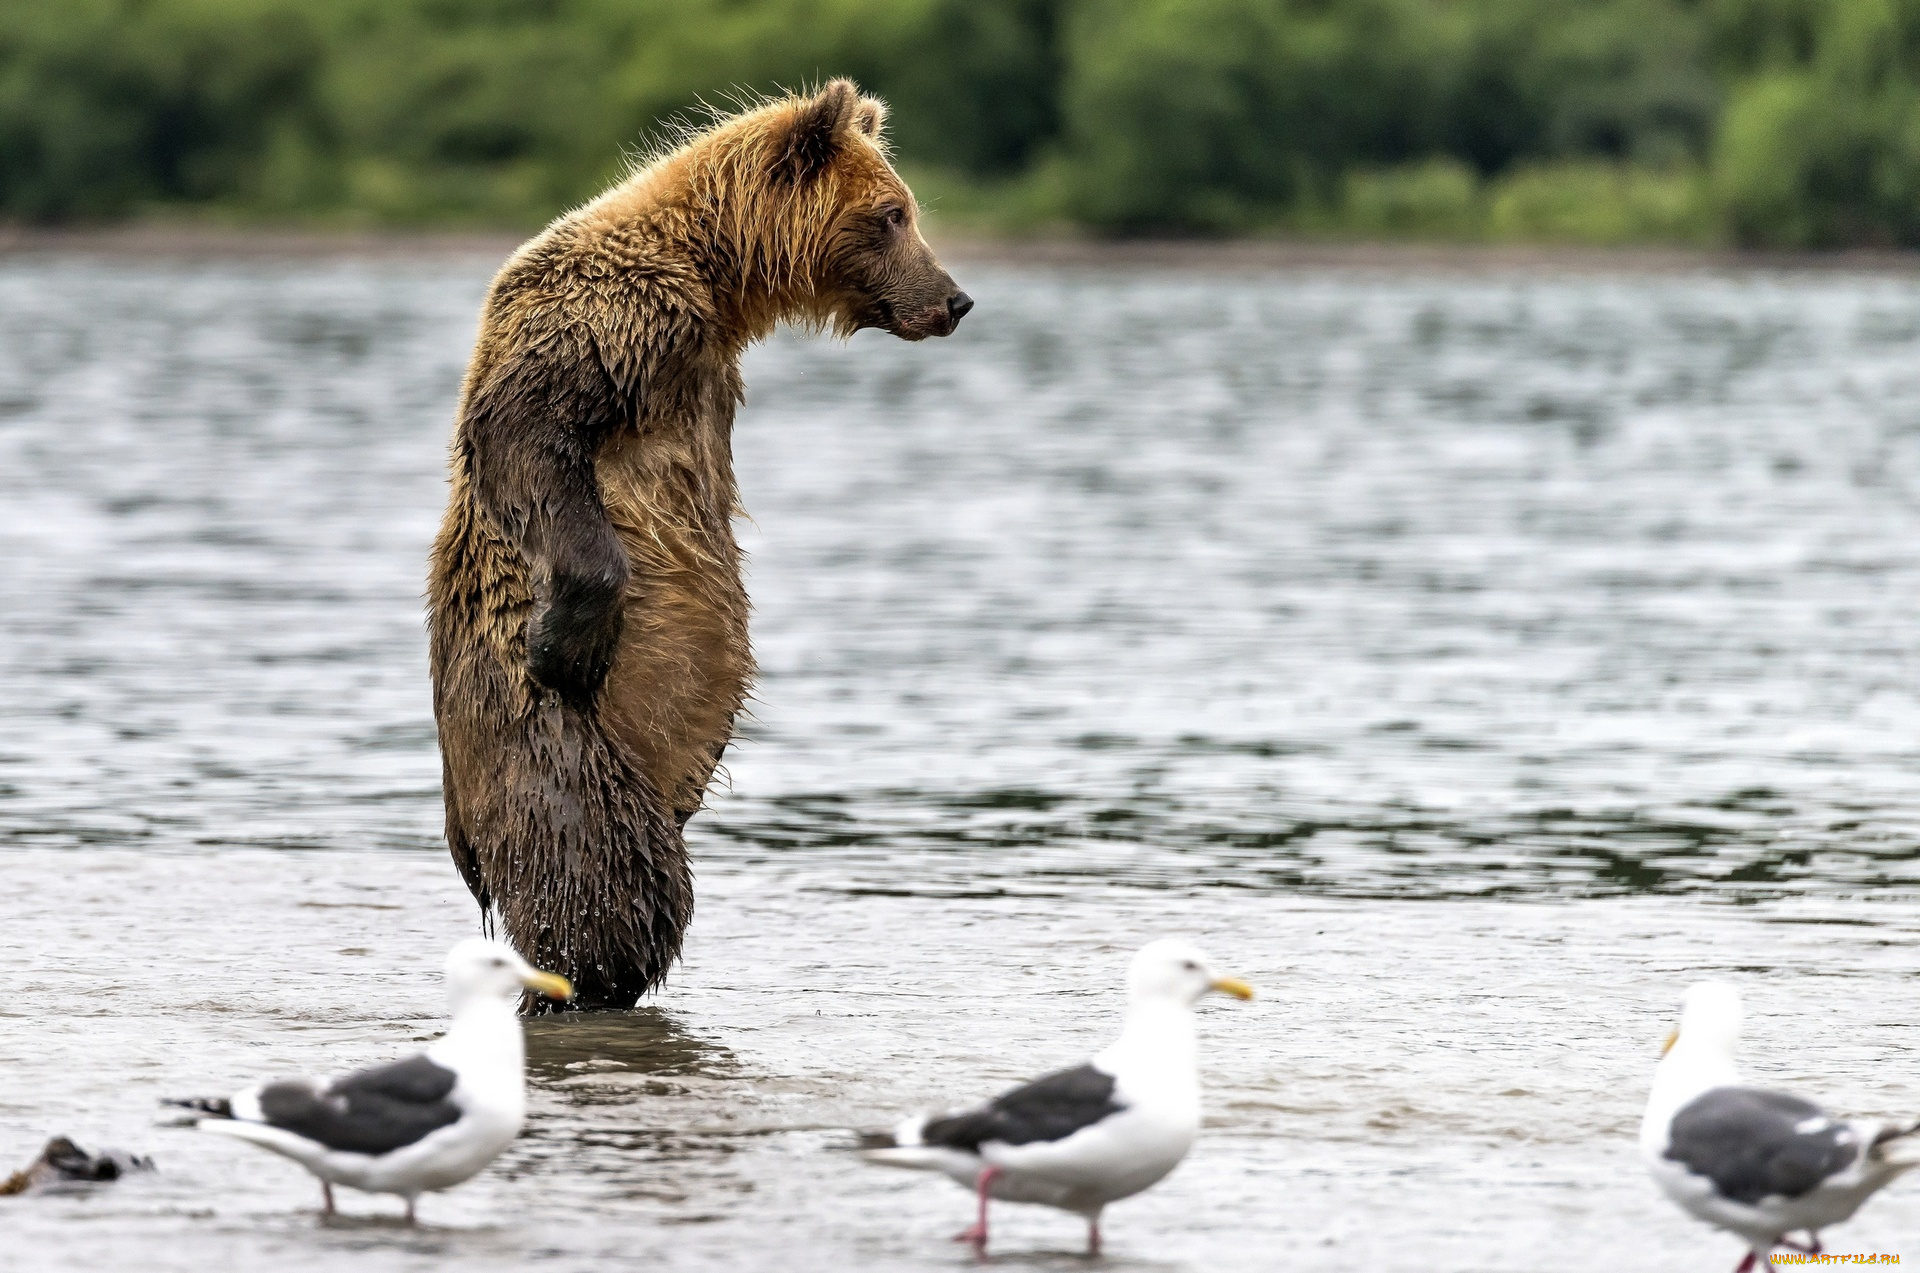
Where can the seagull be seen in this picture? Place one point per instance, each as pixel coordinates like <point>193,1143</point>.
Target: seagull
<point>1092,1135</point>
<point>1758,1164</point>
<point>62,1162</point>
<point>413,1126</point>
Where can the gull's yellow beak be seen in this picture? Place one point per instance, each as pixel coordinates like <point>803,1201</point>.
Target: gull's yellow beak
<point>1673,1037</point>
<point>550,984</point>
<point>1232,986</point>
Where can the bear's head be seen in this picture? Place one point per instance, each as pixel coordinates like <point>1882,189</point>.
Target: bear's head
<point>837,231</point>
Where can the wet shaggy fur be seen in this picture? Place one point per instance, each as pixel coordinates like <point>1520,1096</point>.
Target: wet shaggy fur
<point>589,625</point>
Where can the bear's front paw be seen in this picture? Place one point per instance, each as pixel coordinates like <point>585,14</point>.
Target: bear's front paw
<point>570,645</point>
<point>574,668</point>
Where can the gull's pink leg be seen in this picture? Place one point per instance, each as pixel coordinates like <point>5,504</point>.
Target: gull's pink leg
<point>978,1233</point>
<point>410,1216</point>
<point>1745,1264</point>
<point>1093,1236</point>
<point>1812,1248</point>
<point>326,1197</point>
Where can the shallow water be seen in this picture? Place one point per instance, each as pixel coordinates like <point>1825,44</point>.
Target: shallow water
<point>1471,662</point>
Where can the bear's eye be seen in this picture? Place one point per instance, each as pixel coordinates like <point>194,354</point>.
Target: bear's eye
<point>894,215</point>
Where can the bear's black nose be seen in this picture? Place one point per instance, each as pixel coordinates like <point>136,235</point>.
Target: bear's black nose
<point>957,306</point>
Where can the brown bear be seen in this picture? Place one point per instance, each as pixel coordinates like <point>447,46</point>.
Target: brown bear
<point>588,621</point>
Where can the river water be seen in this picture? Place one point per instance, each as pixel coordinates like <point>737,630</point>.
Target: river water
<point>1469,660</point>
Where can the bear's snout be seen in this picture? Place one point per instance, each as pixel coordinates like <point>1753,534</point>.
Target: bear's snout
<point>940,320</point>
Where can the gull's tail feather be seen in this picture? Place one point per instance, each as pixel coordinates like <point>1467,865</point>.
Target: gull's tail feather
<point>1898,1145</point>
<point>912,1157</point>
<point>210,1106</point>
<point>906,1146</point>
<point>900,1147</point>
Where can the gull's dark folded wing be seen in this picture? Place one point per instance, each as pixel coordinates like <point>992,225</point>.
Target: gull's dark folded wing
<point>1754,1144</point>
<point>372,1111</point>
<point>1051,1108</point>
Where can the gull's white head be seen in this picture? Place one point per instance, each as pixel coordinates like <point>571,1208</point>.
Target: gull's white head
<point>478,969</point>
<point>1709,1022</point>
<point>1172,970</point>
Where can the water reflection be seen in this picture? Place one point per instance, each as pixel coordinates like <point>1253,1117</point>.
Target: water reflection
<point>645,1041</point>
<point>1024,837</point>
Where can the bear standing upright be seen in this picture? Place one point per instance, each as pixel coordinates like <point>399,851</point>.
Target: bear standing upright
<point>589,625</point>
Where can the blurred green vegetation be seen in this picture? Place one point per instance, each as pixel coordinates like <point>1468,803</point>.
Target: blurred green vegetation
<point>1786,123</point>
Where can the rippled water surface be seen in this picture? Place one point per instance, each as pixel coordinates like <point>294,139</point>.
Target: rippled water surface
<point>1470,661</point>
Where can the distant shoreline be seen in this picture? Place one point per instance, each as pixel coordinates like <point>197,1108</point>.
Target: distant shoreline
<point>162,241</point>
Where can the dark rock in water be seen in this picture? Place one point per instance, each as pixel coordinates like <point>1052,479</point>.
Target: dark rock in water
<point>63,1162</point>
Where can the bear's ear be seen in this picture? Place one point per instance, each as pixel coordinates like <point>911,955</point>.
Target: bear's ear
<point>870,116</point>
<point>814,135</point>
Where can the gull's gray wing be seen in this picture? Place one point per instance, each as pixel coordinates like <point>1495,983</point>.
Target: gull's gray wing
<point>1754,1144</point>
<point>374,1111</point>
<point>1050,1108</point>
